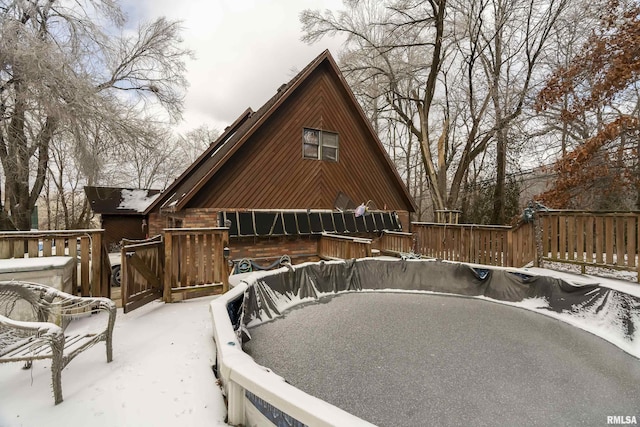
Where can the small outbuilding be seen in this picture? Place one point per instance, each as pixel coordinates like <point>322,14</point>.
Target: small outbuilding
<point>121,212</point>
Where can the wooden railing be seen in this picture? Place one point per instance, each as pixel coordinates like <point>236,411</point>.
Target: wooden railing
<point>479,244</point>
<point>395,242</point>
<point>593,239</point>
<point>83,246</point>
<point>332,246</point>
<point>195,260</point>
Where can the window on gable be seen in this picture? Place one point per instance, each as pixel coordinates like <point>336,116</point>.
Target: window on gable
<point>320,145</point>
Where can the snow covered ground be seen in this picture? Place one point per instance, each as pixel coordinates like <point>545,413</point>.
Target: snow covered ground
<point>160,376</point>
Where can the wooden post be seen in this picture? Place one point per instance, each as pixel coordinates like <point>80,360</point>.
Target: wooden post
<point>218,257</point>
<point>223,264</point>
<point>537,232</point>
<point>509,256</point>
<point>168,267</point>
<point>96,264</point>
<point>84,266</point>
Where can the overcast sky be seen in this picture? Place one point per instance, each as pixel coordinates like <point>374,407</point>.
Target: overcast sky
<point>244,49</point>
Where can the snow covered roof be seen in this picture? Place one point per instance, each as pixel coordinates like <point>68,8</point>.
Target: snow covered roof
<point>123,201</point>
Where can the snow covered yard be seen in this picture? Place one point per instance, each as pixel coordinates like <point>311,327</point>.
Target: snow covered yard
<point>161,373</point>
<point>160,376</point>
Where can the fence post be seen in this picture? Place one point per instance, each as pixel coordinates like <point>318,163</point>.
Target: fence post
<point>537,234</point>
<point>510,255</point>
<point>168,267</point>
<point>224,268</point>
<point>96,264</point>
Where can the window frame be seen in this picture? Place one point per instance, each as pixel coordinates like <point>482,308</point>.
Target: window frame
<point>308,142</point>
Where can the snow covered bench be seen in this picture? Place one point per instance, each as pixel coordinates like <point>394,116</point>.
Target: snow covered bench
<point>34,325</point>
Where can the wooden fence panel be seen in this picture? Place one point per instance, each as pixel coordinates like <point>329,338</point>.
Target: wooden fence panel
<point>607,240</point>
<point>478,244</point>
<point>343,247</point>
<point>545,223</point>
<point>562,237</point>
<point>554,237</point>
<point>585,238</point>
<point>589,239</point>
<point>92,277</point>
<point>395,242</point>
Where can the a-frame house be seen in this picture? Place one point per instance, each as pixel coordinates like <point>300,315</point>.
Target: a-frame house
<point>281,175</point>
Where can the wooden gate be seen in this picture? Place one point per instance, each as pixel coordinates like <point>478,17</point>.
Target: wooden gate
<point>142,272</point>
<point>195,262</point>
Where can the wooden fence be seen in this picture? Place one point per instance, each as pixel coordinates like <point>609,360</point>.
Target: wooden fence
<point>478,244</point>
<point>195,261</point>
<point>591,239</point>
<point>395,242</point>
<point>83,246</point>
<point>331,246</point>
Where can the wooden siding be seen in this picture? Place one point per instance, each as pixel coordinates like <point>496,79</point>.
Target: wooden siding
<point>268,171</point>
<point>121,227</point>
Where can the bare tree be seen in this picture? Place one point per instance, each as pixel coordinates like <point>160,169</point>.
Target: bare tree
<point>63,74</point>
<point>399,44</point>
<point>509,37</point>
<point>194,142</point>
<point>455,73</point>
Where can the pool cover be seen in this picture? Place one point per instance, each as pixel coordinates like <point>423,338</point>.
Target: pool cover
<point>616,312</point>
<point>419,359</point>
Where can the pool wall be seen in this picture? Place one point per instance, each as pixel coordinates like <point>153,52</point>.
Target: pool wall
<point>257,396</point>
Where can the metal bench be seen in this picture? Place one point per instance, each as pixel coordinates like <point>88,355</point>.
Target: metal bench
<point>34,325</point>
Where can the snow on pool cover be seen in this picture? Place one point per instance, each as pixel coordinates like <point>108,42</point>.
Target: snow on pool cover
<point>410,359</point>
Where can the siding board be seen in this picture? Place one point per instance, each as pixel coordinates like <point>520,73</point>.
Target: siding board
<point>268,171</point>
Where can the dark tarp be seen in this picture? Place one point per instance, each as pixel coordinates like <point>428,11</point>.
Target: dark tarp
<point>267,297</point>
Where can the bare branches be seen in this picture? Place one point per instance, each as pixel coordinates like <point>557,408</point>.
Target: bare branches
<point>152,63</point>
<point>456,73</point>
<point>64,75</point>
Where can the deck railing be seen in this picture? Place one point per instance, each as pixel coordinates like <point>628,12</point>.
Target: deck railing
<point>195,260</point>
<point>83,246</point>
<point>395,242</point>
<point>478,244</point>
<point>591,239</point>
<point>332,246</point>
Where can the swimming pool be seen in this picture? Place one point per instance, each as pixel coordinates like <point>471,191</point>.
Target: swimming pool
<point>501,352</point>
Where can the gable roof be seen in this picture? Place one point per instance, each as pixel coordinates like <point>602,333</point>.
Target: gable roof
<point>120,201</point>
<point>180,192</point>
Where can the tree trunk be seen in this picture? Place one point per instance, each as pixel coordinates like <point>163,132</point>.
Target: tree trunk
<point>497,216</point>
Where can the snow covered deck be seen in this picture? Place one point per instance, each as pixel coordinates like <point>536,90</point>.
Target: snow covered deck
<point>160,376</point>
<point>161,373</point>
